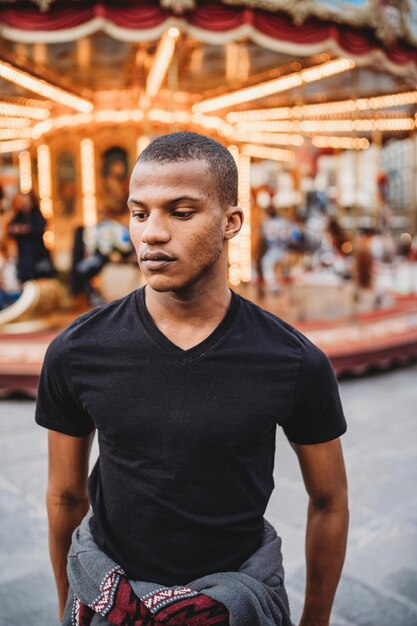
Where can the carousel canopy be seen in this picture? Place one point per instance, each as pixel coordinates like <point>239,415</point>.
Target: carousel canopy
<point>267,73</point>
<point>300,27</point>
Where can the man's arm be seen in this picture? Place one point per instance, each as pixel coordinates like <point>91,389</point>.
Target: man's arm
<point>324,476</point>
<point>66,500</point>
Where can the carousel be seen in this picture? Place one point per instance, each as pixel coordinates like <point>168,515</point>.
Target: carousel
<point>315,99</point>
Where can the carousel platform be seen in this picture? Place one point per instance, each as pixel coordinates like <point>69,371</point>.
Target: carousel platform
<point>355,343</point>
<point>375,340</point>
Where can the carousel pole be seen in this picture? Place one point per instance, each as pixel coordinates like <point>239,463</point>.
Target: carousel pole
<point>339,168</point>
<point>355,238</point>
<point>413,186</point>
<point>173,87</point>
<point>45,188</point>
<point>88,181</point>
<point>378,201</point>
<point>145,139</point>
<point>355,235</point>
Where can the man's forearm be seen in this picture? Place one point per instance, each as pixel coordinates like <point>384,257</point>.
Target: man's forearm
<point>325,551</point>
<point>64,515</point>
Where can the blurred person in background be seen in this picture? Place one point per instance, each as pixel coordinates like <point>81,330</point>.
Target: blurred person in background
<point>28,227</point>
<point>364,261</point>
<point>10,288</point>
<point>336,233</point>
<point>276,234</point>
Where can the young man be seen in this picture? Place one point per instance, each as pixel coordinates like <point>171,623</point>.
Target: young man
<point>185,383</point>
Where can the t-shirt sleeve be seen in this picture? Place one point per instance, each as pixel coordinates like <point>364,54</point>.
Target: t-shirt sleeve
<point>317,414</point>
<point>57,407</point>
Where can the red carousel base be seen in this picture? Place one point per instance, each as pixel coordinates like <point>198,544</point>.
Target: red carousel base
<point>373,340</point>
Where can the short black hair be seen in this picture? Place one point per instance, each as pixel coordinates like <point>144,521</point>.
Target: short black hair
<point>187,146</point>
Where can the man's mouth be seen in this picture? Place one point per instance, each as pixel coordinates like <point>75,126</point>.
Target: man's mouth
<point>156,260</point>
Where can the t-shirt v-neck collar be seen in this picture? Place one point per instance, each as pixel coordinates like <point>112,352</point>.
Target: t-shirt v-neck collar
<point>185,355</point>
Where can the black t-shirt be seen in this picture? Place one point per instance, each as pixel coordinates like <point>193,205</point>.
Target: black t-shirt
<point>186,437</point>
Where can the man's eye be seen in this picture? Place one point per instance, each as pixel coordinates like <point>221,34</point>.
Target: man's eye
<point>182,214</point>
<point>140,216</point>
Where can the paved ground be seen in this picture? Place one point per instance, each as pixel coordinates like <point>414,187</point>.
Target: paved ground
<point>379,585</point>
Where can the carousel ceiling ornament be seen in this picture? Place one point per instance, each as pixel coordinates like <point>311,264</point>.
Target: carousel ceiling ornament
<point>357,12</point>
<point>178,7</point>
<point>390,18</point>
<point>43,5</point>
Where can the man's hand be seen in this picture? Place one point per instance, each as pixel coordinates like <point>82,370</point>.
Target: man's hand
<point>66,500</point>
<point>328,516</point>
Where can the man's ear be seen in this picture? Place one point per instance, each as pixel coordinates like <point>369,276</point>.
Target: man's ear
<point>234,221</point>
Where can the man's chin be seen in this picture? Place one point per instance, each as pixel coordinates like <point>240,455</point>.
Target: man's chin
<point>163,284</point>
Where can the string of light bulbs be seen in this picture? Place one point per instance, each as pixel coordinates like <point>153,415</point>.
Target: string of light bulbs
<point>15,133</point>
<point>43,88</point>
<point>25,172</point>
<point>240,258</point>
<point>327,126</point>
<point>280,139</point>
<point>88,182</point>
<point>23,111</point>
<point>14,122</point>
<point>161,62</point>
<point>45,180</point>
<point>264,152</point>
<point>373,103</point>
<point>15,145</point>
<point>340,143</point>
<point>284,83</point>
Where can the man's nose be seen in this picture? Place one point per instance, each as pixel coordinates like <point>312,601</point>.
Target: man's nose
<point>156,229</point>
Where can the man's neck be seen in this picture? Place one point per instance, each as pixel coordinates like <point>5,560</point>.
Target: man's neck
<point>193,303</point>
<point>188,316</point>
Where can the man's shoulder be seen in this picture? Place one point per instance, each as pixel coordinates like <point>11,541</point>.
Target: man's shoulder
<point>99,320</point>
<point>270,329</point>
<point>264,319</point>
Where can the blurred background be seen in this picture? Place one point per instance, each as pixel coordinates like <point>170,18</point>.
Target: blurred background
<point>316,101</point>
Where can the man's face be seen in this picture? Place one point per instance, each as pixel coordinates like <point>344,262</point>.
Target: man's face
<point>177,224</point>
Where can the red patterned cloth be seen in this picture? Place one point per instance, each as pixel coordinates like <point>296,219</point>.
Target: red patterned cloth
<point>179,607</point>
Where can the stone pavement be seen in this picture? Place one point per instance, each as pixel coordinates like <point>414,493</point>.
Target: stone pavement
<point>379,584</point>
